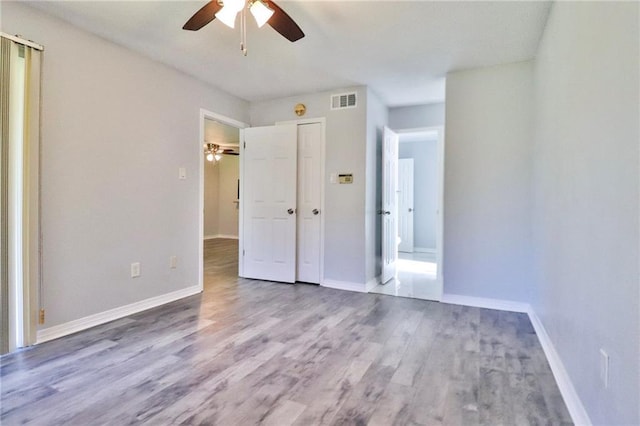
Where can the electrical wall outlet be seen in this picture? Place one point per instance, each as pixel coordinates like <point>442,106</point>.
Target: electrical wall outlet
<point>604,368</point>
<point>173,262</point>
<point>135,270</point>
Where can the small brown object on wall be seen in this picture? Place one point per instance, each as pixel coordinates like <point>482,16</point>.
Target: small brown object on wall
<point>300,110</point>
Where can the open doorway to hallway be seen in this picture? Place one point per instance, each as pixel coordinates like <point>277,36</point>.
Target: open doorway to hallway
<point>419,215</point>
<point>220,198</point>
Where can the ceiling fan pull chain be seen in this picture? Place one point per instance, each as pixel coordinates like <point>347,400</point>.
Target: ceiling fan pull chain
<point>243,30</point>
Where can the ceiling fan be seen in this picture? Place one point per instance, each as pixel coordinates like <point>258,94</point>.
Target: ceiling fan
<point>213,151</point>
<point>264,11</point>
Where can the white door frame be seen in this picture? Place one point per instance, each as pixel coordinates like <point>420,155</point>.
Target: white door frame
<point>204,114</point>
<point>417,132</point>
<point>323,124</point>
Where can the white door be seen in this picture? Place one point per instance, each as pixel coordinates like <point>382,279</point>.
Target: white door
<point>269,219</point>
<point>389,204</point>
<point>405,205</point>
<point>309,187</point>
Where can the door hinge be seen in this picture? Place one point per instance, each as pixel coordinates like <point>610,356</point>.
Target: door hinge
<point>243,252</point>
<point>41,317</point>
<point>244,145</point>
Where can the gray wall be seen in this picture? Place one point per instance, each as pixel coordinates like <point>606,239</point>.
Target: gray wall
<point>116,127</point>
<point>586,200</point>
<point>346,144</point>
<point>487,236</point>
<point>425,190</point>
<point>416,116</point>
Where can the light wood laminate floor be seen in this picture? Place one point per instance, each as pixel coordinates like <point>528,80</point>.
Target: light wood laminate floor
<point>250,352</point>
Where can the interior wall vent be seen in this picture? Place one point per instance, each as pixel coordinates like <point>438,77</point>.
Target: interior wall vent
<point>343,100</point>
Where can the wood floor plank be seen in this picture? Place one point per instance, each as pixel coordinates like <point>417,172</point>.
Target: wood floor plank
<point>250,352</point>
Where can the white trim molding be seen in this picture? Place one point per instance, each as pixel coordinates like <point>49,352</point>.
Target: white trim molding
<point>481,302</point>
<point>80,324</point>
<point>424,250</point>
<point>345,285</point>
<point>372,283</point>
<point>571,399</point>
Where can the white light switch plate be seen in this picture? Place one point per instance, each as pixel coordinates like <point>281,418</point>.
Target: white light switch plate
<point>135,270</point>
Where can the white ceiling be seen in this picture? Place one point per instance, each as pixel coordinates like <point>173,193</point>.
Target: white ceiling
<point>401,49</point>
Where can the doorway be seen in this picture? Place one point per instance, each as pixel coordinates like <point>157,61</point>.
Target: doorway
<point>21,301</point>
<point>420,179</point>
<point>219,148</point>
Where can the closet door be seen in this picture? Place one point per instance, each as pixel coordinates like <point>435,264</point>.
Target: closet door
<point>269,211</point>
<point>309,196</point>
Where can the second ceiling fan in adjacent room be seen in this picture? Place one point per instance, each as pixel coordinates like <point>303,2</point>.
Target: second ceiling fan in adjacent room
<point>214,152</point>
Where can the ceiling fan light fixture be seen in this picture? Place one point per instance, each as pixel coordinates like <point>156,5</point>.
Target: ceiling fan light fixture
<point>210,157</point>
<point>261,12</point>
<point>217,157</point>
<point>227,15</point>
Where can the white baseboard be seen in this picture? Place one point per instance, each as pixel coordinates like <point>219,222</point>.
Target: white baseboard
<point>74,326</point>
<point>424,250</point>
<point>211,237</point>
<point>481,302</point>
<point>571,399</point>
<point>372,283</point>
<point>345,285</point>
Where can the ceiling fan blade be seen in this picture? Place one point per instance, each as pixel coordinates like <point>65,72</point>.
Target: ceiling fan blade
<point>202,17</point>
<point>282,23</point>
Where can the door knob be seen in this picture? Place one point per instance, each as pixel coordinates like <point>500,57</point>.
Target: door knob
<point>387,212</point>
<point>315,212</point>
<point>290,211</point>
<point>384,212</point>
<point>410,209</point>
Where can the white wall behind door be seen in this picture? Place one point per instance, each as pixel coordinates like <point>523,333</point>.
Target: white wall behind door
<point>405,205</point>
<point>211,185</point>
<point>220,192</point>
<point>227,194</point>
<point>425,155</point>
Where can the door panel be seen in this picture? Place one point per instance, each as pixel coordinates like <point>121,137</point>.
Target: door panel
<point>269,203</point>
<point>309,199</point>
<point>405,205</point>
<point>389,204</point>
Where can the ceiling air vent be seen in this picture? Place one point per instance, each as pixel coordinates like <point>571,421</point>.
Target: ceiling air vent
<point>344,100</point>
